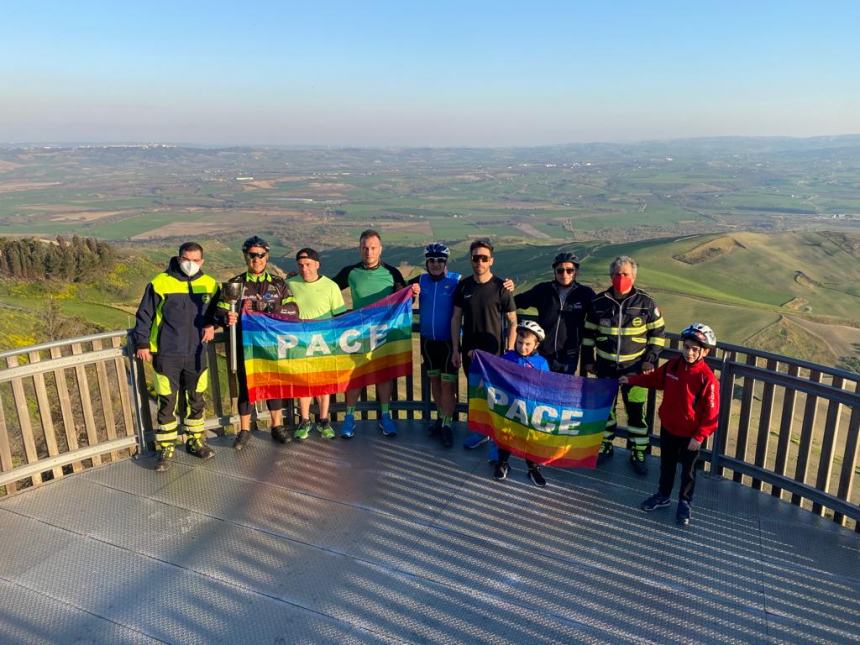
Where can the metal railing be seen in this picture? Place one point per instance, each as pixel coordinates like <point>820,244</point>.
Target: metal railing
<point>787,427</point>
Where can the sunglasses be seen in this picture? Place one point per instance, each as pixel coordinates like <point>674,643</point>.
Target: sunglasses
<point>562,271</point>
<point>257,256</point>
<point>437,260</point>
<point>480,258</point>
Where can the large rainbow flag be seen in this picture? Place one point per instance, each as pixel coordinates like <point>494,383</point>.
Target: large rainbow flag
<point>542,416</point>
<point>288,358</point>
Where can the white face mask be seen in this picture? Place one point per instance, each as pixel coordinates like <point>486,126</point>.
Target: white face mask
<point>189,268</point>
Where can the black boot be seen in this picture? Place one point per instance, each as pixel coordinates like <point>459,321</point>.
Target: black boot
<point>242,439</point>
<point>165,458</point>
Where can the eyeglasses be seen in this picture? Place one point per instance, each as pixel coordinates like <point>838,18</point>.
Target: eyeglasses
<point>562,271</point>
<point>256,256</point>
<point>480,258</point>
<point>437,260</point>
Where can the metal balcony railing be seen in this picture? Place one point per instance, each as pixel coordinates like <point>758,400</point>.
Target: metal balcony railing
<point>787,427</point>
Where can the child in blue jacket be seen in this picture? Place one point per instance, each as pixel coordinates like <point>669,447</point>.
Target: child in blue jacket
<point>529,337</point>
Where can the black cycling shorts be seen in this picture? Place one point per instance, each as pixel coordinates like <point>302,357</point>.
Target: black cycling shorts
<point>437,356</point>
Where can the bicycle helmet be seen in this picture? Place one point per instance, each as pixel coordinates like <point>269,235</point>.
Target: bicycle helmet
<point>436,251</point>
<point>565,256</point>
<point>253,241</point>
<point>700,333</point>
<point>533,327</point>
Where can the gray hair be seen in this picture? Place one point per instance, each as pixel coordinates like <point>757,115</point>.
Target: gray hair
<point>620,260</point>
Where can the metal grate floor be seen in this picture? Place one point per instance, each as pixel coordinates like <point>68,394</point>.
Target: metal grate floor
<point>403,541</point>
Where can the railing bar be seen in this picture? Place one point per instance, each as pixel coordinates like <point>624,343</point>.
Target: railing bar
<point>813,387</point>
<point>410,395</point>
<point>764,420</point>
<point>5,449</point>
<point>122,379</point>
<point>809,412</point>
<point>91,452</point>
<point>744,420</point>
<point>214,380</point>
<point>830,371</point>
<point>106,398</point>
<point>45,414</point>
<point>23,371</point>
<point>86,404</point>
<point>23,412</point>
<point>786,423</point>
<point>828,445</point>
<point>57,344</point>
<point>849,459</point>
<point>799,489</point>
<point>69,426</point>
<point>727,384</point>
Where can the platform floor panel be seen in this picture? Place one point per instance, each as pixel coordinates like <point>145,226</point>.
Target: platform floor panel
<point>401,540</point>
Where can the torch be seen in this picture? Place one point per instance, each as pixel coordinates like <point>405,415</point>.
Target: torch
<point>231,292</point>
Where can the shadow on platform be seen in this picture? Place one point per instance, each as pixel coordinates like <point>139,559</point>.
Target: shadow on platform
<point>402,540</point>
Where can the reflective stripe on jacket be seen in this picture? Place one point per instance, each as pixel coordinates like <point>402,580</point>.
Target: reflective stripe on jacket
<point>623,333</point>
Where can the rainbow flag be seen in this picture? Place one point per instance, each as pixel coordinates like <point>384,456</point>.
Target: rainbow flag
<point>545,417</point>
<point>287,358</point>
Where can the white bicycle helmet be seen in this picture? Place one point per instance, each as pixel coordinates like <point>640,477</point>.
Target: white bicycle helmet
<point>436,251</point>
<point>533,327</point>
<point>700,333</point>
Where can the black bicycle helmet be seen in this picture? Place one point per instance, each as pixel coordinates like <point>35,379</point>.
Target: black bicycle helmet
<point>253,241</point>
<point>565,256</point>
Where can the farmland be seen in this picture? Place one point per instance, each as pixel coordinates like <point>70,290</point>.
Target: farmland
<point>757,236</point>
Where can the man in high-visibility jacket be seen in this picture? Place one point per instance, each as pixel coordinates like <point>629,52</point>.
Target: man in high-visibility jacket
<point>173,325</point>
<point>625,330</point>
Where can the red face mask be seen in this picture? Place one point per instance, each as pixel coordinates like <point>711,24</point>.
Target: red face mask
<point>622,283</point>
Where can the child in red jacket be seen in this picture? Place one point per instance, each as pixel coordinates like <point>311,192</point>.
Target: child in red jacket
<point>688,414</point>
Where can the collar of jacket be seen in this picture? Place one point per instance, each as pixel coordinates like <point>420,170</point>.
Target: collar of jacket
<point>262,277</point>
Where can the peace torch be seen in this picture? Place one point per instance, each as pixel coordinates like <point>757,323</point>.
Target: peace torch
<point>231,292</point>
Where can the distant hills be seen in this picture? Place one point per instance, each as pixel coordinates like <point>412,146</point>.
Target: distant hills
<point>757,235</point>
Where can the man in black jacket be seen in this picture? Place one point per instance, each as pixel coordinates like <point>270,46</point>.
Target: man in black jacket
<point>562,304</point>
<point>173,324</point>
<point>626,331</point>
<point>261,291</point>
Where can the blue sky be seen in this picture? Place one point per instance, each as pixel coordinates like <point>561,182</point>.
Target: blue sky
<point>433,73</point>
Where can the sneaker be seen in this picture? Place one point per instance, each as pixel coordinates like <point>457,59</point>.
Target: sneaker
<point>683,514</point>
<point>325,429</point>
<point>386,425</point>
<point>654,502</point>
<point>303,431</point>
<point>435,429</point>
<point>607,450</point>
<point>500,471</point>
<point>242,439</point>
<point>493,452</point>
<point>537,477</point>
<point>280,434</point>
<point>447,435</point>
<point>474,440</point>
<point>197,446</point>
<point>347,428</point>
<point>637,462</point>
<point>165,457</point>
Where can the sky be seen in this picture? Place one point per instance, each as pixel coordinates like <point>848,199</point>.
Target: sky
<point>425,74</point>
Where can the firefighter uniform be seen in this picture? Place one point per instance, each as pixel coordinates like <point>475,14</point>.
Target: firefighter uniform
<point>169,322</point>
<point>624,333</point>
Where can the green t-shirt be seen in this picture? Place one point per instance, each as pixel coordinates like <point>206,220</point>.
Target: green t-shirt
<point>366,286</point>
<point>317,300</point>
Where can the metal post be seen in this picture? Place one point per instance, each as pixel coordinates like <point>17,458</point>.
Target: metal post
<point>725,412</point>
<point>135,390</point>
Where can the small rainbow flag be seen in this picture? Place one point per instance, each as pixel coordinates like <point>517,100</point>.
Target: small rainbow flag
<point>288,358</point>
<point>545,417</point>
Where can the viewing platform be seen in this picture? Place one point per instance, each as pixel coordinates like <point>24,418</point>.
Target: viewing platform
<point>402,540</point>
